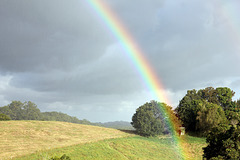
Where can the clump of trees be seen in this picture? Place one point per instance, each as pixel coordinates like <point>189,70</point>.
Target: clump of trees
<point>202,110</point>
<point>150,119</point>
<point>18,110</point>
<point>212,113</point>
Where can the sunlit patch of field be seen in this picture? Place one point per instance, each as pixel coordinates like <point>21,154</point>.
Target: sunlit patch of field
<point>18,138</point>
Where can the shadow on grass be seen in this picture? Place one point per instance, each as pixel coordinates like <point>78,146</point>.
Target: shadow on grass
<point>128,131</point>
<point>196,134</point>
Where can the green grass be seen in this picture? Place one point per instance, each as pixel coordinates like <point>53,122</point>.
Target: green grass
<point>193,146</point>
<point>36,140</point>
<point>124,148</point>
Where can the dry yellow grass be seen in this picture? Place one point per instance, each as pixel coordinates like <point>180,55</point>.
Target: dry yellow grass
<point>24,137</point>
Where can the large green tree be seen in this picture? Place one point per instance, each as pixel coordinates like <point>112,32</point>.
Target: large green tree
<point>148,120</point>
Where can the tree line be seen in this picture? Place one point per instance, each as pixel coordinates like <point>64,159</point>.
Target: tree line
<point>18,110</point>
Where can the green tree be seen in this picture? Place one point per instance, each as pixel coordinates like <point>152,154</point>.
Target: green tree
<point>30,111</point>
<point>16,108</point>
<point>188,108</point>
<point>147,120</point>
<point>209,116</point>
<point>209,94</point>
<point>224,96</point>
<point>223,143</point>
<point>6,110</point>
<point>4,117</point>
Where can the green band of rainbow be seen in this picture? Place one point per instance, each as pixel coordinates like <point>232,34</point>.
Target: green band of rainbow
<point>137,57</point>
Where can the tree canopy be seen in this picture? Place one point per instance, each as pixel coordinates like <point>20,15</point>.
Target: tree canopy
<point>150,118</point>
<point>203,109</point>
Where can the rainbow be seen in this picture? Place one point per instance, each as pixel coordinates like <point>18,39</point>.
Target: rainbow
<point>140,62</point>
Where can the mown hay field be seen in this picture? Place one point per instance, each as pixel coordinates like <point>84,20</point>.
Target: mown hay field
<point>20,138</point>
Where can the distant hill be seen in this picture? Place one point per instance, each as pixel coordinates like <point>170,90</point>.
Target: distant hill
<point>123,125</point>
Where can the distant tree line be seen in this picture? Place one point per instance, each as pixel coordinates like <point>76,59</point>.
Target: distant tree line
<point>18,110</point>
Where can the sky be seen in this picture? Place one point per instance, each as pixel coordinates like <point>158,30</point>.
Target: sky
<point>60,55</point>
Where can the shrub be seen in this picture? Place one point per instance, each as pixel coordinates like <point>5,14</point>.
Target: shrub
<point>64,157</point>
<point>4,117</point>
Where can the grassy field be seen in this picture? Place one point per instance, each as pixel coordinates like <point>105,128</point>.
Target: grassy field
<point>25,137</point>
<point>35,140</point>
<point>123,149</point>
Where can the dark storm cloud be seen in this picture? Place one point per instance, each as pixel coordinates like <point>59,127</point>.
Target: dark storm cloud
<point>60,55</point>
<point>43,35</point>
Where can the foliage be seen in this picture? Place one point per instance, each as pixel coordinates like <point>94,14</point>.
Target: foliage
<point>203,109</point>
<point>58,116</point>
<point>147,120</point>
<point>63,157</point>
<point>21,111</point>
<point>171,116</point>
<point>223,143</point>
<point>188,108</point>
<point>18,110</point>
<point>224,96</point>
<point>4,117</point>
<point>209,116</point>
<point>151,118</point>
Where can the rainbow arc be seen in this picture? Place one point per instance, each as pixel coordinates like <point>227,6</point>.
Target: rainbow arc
<point>139,60</point>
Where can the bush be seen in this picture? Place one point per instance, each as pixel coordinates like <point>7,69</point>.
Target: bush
<point>4,117</point>
<point>64,157</point>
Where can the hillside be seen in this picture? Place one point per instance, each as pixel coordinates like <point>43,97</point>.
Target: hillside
<point>125,148</point>
<point>24,137</point>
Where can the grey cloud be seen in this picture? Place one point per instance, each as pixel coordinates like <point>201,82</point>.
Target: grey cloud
<point>61,55</point>
<point>38,35</point>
